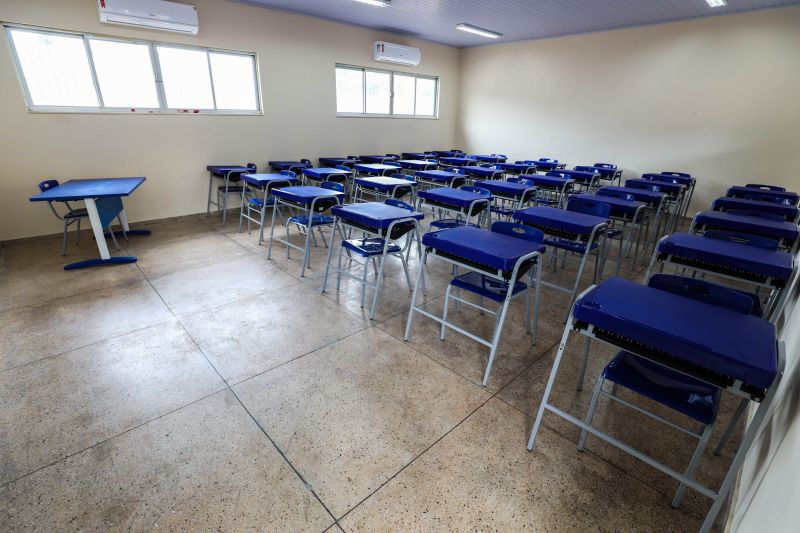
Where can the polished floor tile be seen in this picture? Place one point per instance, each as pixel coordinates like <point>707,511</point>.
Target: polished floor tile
<point>247,337</point>
<point>83,397</point>
<point>206,466</point>
<point>480,477</point>
<point>185,254</point>
<point>36,332</point>
<point>351,415</point>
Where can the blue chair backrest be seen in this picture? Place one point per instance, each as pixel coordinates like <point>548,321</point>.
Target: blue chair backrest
<point>521,181</point>
<point>518,230</point>
<point>403,177</point>
<point>399,203</point>
<point>767,187</point>
<point>476,190</point>
<point>306,161</point>
<point>252,166</point>
<point>704,291</point>
<point>333,185</point>
<point>757,214</point>
<point>499,155</point>
<point>393,155</point>
<point>743,238</point>
<point>589,207</point>
<point>289,173</point>
<point>46,185</point>
<point>615,194</point>
<point>547,160</point>
<point>352,157</point>
<point>456,151</point>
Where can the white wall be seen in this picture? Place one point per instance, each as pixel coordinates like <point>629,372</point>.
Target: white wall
<point>716,97</point>
<point>296,58</point>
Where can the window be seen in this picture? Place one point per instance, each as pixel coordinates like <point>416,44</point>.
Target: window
<point>70,72</point>
<point>364,92</point>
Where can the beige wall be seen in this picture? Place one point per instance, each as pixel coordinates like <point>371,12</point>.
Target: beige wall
<point>296,58</point>
<point>715,97</point>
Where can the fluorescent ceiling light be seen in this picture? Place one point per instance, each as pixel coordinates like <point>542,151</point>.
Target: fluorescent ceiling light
<point>376,3</point>
<point>716,3</point>
<point>478,31</point>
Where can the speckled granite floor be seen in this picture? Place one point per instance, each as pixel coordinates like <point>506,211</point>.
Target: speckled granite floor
<point>205,387</point>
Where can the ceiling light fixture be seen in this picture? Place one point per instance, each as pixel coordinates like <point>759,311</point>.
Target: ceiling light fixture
<point>376,3</point>
<point>716,3</point>
<point>478,31</point>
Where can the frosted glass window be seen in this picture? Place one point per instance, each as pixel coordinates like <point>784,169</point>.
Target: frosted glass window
<point>186,76</point>
<point>404,87</point>
<point>349,90</point>
<point>234,79</point>
<point>378,90</point>
<point>124,74</point>
<point>426,97</point>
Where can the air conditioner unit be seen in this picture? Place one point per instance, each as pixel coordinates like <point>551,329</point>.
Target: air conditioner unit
<point>396,53</point>
<point>153,14</point>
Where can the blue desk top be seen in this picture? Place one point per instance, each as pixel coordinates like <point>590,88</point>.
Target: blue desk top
<point>551,182</point>
<point>652,198</point>
<point>496,251</point>
<point>787,231</point>
<point>545,218</point>
<point>489,158</point>
<point>321,172</point>
<point>443,176</point>
<point>377,158</point>
<point>418,155</point>
<point>720,340</point>
<point>304,194</point>
<point>733,256</point>
<point>516,167</point>
<point>222,170</point>
<point>287,165</point>
<point>451,197</point>
<point>668,178</point>
<point>89,188</point>
<point>333,161</point>
<point>583,176</point>
<point>620,207</point>
<point>384,183</point>
<point>604,172</point>
<point>669,188</point>
<point>447,153</point>
<point>729,202</point>
<point>545,164</point>
<point>416,163</point>
<point>740,190</point>
<point>260,180</point>
<point>504,188</point>
<point>374,167</point>
<point>374,214</point>
<point>483,172</point>
<point>457,161</point>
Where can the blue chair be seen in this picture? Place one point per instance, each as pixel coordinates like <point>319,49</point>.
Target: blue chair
<point>69,217</point>
<point>224,190</point>
<point>476,209</point>
<point>686,395</point>
<point>775,188</point>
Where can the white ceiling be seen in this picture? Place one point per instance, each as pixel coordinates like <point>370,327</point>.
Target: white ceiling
<point>435,20</point>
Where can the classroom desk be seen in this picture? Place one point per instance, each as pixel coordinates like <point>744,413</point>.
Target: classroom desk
<point>457,161</point>
<point>418,155</point>
<point>585,179</point>
<point>512,195</point>
<point>552,190</point>
<point>489,158</point>
<point>483,172</point>
<point>630,214</point>
<point>546,164</point>
<point>736,352</point>
<point>610,173</point>
<point>456,201</point>
<point>418,164</point>
<point>334,161</point>
<point>447,153</point>
<point>496,261</point>
<point>377,158</point>
<point>294,166</point>
<point>103,200</point>
<point>323,174</point>
<point>786,233</point>
<point>229,174</point>
<point>739,191</point>
<point>437,178</point>
<point>265,183</point>
<point>383,187</point>
<point>725,203</point>
<point>375,168</point>
<point>518,169</point>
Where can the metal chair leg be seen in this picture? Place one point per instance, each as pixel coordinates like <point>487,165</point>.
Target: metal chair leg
<point>592,407</point>
<point>64,246</point>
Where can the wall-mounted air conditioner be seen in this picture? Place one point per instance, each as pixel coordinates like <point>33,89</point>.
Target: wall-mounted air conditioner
<point>152,14</point>
<point>396,53</point>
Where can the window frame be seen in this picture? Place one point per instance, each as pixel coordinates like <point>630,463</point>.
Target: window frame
<point>391,73</point>
<point>157,76</point>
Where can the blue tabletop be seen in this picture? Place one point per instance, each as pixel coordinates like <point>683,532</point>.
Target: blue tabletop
<point>451,197</point>
<point>416,163</point>
<point>483,172</point>
<point>447,153</point>
<point>652,198</point>
<point>440,175</point>
<point>374,167</point>
<point>670,188</point>
<point>321,172</point>
<point>787,231</point>
<point>384,183</point>
<point>377,158</point>
<point>740,190</point>
<point>304,194</point>
<point>418,155</point>
<point>287,165</point>
<point>551,182</point>
<point>545,164</point>
<point>374,214</point>
<point>620,207</point>
<point>89,188</point>
<point>516,167</point>
<point>260,180</point>
<point>505,188</point>
<point>729,202</point>
<point>333,161</point>
<point>733,256</point>
<point>494,250</point>
<point>457,161</point>
<point>605,172</point>
<point>546,218</point>
<point>489,158</point>
<point>584,176</point>
<point>668,178</point>
<point>223,170</point>
<point>733,344</point>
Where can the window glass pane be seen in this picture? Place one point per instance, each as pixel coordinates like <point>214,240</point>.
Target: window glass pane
<point>378,92</point>
<point>349,90</point>
<point>234,81</point>
<point>426,97</point>
<point>124,73</point>
<point>187,84</point>
<point>403,95</point>
<point>55,68</point>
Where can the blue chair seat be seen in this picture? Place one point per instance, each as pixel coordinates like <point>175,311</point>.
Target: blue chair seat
<point>485,286</point>
<point>566,244</point>
<point>687,395</point>
<point>259,202</point>
<point>449,223</point>
<point>77,213</point>
<point>316,220</point>
<point>369,247</point>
